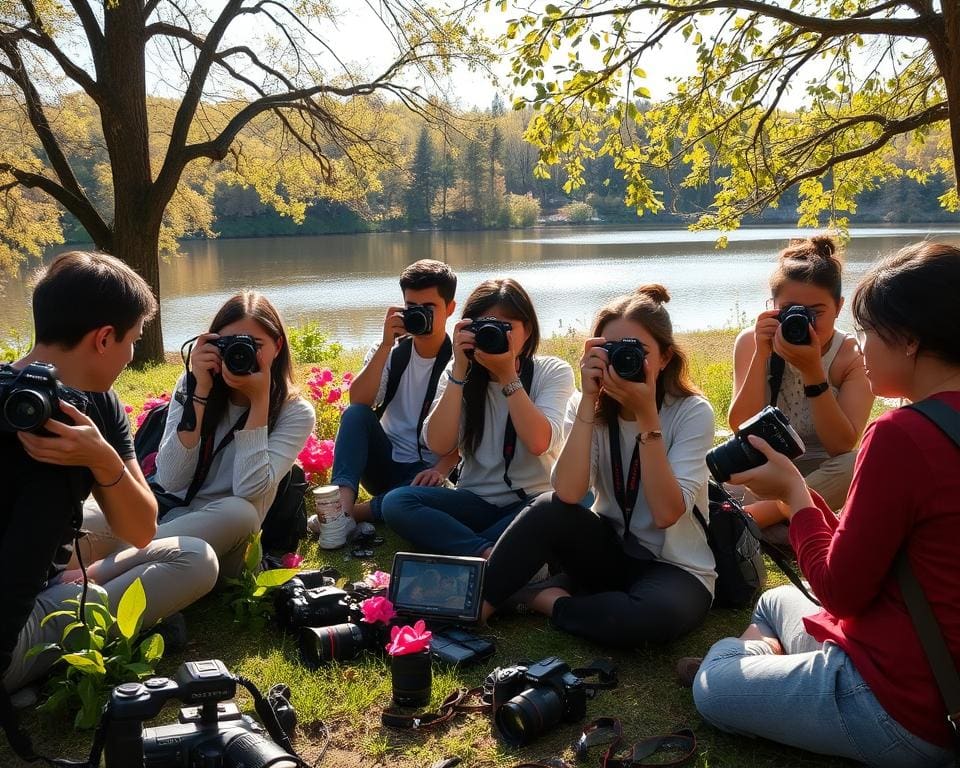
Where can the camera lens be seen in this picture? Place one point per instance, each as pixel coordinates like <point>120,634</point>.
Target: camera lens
<point>528,715</point>
<point>27,410</point>
<point>729,458</point>
<point>341,642</point>
<point>418,321</point>
<point>491,339</point>
<point>628,363</point>
<point>255,750</point>
<point>795,326</point>
<point>240,357</point>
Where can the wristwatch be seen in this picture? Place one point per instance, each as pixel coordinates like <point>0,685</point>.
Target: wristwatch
<point>815,390</point>
<point>648,437</point>
<point>514,386</point>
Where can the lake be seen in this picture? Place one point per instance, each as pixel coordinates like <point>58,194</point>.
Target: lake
<point>344,282</point>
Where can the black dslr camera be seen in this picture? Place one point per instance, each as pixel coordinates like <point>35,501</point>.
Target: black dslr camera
<point>213,732</point>
<point>737,455</point>
<point>795,324</point>
<point>626,356</point>
<point>312,599</point>
<point>528,701</point>
<point>239,353</point>
<point>29,397</point>
<point>491,335</point>
<point>418,320</point>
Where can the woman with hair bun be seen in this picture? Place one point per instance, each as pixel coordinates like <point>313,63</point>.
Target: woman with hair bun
<point>636,567</point>
<point>819,383</point>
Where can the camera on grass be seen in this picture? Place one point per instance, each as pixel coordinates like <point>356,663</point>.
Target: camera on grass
<point>737,455</point>
<point>30,397</point>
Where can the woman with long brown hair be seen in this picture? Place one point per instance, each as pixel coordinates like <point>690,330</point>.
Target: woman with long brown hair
<point>635,567</point>
<point>503,411</point>
<point>254,421</point>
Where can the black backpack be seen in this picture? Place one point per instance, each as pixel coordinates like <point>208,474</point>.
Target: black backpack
<point>286,520</point>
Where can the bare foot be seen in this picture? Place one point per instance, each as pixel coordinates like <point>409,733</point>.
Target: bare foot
<point>347,498</point>
<point>753,633</point>
<point>362,512</point>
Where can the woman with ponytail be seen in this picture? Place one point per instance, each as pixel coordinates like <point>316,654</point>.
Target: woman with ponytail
<point>487,406</point>
<point>820,385</point>
<point>636,567</point>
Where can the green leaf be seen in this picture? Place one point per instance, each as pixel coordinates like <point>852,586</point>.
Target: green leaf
<point>151,649</point>
<point>91,699</point>
<point>41,648</point>
<point>139,668</point>
<point>55,615</point>
<point>131,608</point>
<point>253,554</point>
<point>276,577</point>
<point>88,662</point>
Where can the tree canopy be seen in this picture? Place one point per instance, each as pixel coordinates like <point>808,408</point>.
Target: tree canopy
<point>879,84</point>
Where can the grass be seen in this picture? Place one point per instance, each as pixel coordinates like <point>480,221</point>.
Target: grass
<point>349,697</point>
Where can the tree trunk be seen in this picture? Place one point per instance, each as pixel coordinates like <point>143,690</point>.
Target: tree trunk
<point>949,62</point>
<point>137,217</point>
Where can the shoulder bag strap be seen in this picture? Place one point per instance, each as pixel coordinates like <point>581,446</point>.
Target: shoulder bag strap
<point>207,455</point>
<point>510,432</point>
<point>439,365</point>
<point>399,360</point>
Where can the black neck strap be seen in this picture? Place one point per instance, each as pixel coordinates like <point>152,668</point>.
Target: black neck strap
<point>510,432</point>
<point>625,492</point>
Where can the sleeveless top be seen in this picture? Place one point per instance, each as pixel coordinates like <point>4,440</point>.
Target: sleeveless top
<point>796,405</point>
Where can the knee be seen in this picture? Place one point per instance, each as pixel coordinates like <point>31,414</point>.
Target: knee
<point>711,686</point>
<point>398,505</point>
<point>201,563</point>
<point>356,416</point>
<point>239,514</point>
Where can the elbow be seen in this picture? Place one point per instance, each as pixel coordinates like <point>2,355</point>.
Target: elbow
<point>144,534</point>
<point>538,449</point>
<point>569,496</point>
<point>668,518</point>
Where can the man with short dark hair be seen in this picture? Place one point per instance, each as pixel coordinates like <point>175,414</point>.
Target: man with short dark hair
<point>89,310</point>
<point>379,442</point>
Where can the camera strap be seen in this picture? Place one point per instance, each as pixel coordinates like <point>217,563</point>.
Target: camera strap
<point>775,376</point>
<point>510,432</point>
<point>608,730</point>
<point>455,704</point>
<point>208,453</point>
<point>626,494</point>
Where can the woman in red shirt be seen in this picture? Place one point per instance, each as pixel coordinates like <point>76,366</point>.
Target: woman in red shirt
<point>851,678</point>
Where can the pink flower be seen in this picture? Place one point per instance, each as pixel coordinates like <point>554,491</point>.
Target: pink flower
<point>407,639</point>
<point>333,395</point>
<point>316,456</point>
<point>128,409</point>
<point>377,609</point>
<point>347,380</point>
<point>291,560</point>
<point>377,579</point>
<point>151,403</point>
<point>324,376</point>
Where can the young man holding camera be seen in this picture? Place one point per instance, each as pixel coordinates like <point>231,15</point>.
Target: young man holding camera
<point>89,310</point>
<point>379,442</point>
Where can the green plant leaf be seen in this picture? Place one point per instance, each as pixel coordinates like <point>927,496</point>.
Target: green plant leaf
<point>92,698</point>
<point>151,649</point>
<point>55,615</point>
<point>70,628</point>
<point>41,648</point>
<point>131,608</point>
<point>89,662</point>
<point>276,577</point>
<point>139,668</point>
<point>253,554</point>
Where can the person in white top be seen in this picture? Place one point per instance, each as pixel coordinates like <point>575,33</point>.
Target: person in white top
<point>820,384</point>
<point>637,566</point>
<point>501,407</point>
<point>378,442</point>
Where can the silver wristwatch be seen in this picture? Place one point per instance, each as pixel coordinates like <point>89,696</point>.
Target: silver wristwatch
<point>514,386</point>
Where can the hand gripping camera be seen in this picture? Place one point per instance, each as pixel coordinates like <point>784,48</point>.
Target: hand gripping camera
<point>239,353</point>
<point>795,324</point>
<point>626,357</point>
<point>737,455</point>
<point>29,397</point>
<point>212,732</point>
<point>418,320</point>
<point>491,335</point>
<point>527,701</point>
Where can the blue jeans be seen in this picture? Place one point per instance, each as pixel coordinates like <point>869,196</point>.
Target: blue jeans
<point>446,521</point>
<point>364,454</point>
<point>812,697</point>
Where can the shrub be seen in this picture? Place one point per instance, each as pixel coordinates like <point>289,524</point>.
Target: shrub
<point>309,344</point>
<point>578,213</point>
<point>524,210</point>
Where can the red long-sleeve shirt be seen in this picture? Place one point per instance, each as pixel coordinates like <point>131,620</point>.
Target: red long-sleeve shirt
<point>905,491</point>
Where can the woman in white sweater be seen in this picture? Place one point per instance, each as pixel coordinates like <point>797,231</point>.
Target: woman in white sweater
<point>255,424</point>
<point>484,399</point>
<point>637,566</point>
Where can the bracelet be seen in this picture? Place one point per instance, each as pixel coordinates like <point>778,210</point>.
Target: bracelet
<point>580,418</point>
<point>201,400</point>
<point>454,380</point>
<point>123,471</point>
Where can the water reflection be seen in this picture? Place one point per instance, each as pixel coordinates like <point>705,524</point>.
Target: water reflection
<point>344,282</point>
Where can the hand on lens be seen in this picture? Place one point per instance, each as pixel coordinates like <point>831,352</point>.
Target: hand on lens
<point>637,396</point>
<point>393,325</point>
<point>205,362</point>
<point>71,445</point>
<point>806,358</point>
<point>254,385</point>
<point>765,329</point>
<point>502,367</point>
<point>428,478</point>
<point>593,364</point>
<point>464,342</point>
<point>778,478</point>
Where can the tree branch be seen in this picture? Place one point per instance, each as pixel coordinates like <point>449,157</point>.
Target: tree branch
<point>91,28</point>
<point>41,39</point>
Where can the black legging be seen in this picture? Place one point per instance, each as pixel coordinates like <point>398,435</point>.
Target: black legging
<point>621,600</point>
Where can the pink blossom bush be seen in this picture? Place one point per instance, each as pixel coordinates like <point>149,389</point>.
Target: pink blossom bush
<point>316,458</point>
<point>151,402</point>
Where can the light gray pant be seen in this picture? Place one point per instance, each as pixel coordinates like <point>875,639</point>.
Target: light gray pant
<point>811,697</point>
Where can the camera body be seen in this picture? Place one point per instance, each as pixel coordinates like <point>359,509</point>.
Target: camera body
<point>491,335</point>
<point>30,396</point>
<point>626,357</point>
<point>529,700</point>
<point>211,732</point>
<point>418,320</point>
<point>737,455</point>
<point>795,322</point>
<point>239,353</point>
<point>301,604</point>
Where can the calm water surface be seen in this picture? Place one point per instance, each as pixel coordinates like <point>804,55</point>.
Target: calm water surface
<point>345,281</point>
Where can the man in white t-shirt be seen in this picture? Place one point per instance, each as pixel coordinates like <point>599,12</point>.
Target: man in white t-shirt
<point>379,442</point>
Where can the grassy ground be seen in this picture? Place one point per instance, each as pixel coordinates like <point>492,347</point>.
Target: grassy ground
<point>349,697</point>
